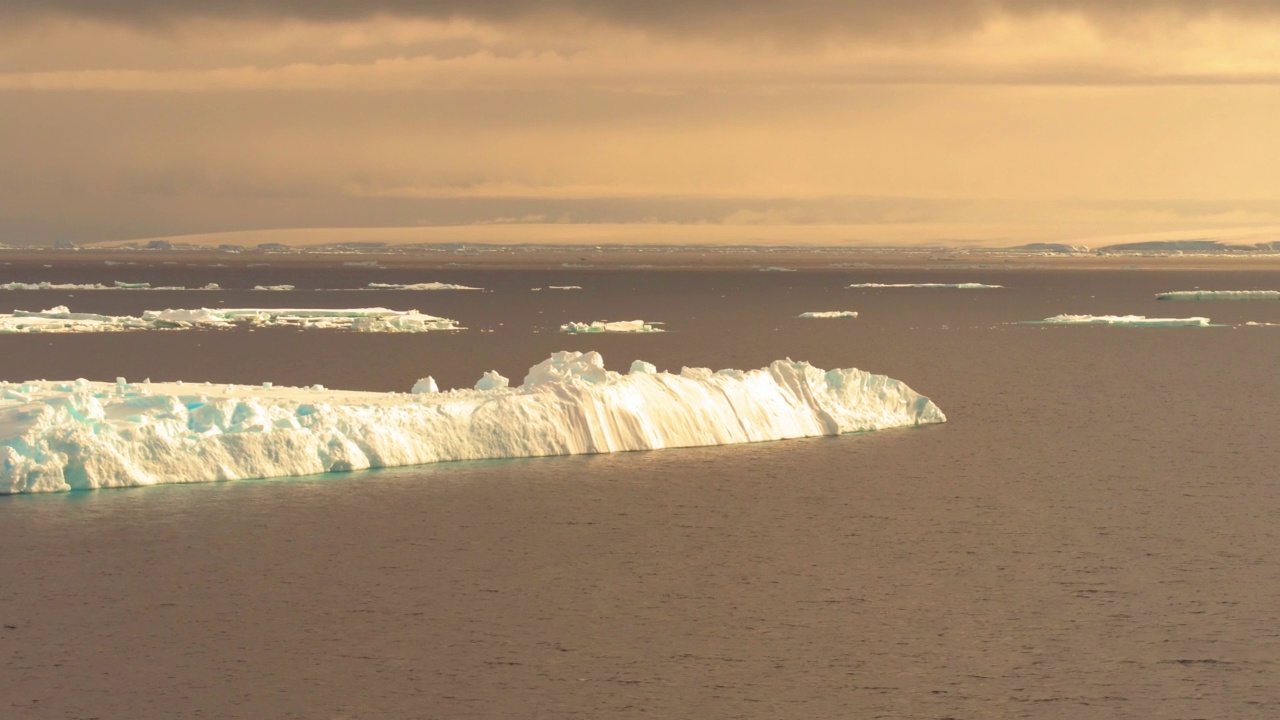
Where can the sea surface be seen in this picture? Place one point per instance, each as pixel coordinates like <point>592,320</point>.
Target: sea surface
<point>1092,534</point>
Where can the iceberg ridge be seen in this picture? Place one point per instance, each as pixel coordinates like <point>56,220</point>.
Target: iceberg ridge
<point>58,436</point>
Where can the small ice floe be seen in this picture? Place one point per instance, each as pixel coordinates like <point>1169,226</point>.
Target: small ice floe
<point>1130,320</point>
<point>618,326</point>
<point>830,314</point>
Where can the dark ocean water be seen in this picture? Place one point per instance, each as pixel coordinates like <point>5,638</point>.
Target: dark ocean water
<point>1092,534</point>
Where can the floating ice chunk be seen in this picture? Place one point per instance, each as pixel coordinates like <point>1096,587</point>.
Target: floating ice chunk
<point>956,286</point>
<point>1220,295</point>
<point>60,319</point>
<point>420,286</point>
<point>492,381</point>
<point>565,287</point>
<point>57,436</point>
<point>640,366</point>
<point>1133,320</point>
<point>830,314</point>
<point>602,326</point>
<point>425,386</point>
<point>53,286</point>
<point>777,269</point>
<point>273,287</point>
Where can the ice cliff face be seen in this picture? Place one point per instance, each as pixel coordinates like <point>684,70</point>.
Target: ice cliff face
<point>57,436</point>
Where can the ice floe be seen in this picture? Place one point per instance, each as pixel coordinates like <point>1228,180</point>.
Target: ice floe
<point>1133,320</point>
<point>1220,295</point>
<point>277,288</point>
<point>956,286</point>
<point>618,326</point>
<point>61,320</point>
<point>58,436</point>
<point>830,314</point>
<point>419,286</point>
<point>116,285</point>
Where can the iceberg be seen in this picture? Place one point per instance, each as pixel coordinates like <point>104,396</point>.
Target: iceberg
<point>60,319</point>
<point>564,287</point>
<point>619,326</point>
<point>1220,295</point>
<point>278,288</point>
<point>1133,320</point>
<point>957,286</point>
<point>830,314</point>
<point>419,286</point>
<point>59,436</point>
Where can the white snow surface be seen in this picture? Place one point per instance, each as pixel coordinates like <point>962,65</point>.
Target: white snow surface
<point>1134,320</point>
<point>58,436</point>
<point>419,286</point>
<point>1220,295</point>
<point>957,286</point>
<point>61,320</point>
<point>830,314</point>
<point>603,326</point>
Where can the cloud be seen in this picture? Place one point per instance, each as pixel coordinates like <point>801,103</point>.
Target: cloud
<point>866,18</point>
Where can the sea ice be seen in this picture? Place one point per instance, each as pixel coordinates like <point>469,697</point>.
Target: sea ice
<point>830,314</point>
<point>1133,320</point>
<point>1220,295</point>
<point>57,436</point>
<point>278,288</point>
<point>602,326</point>
<point>60,319</point>
<point>419,286</point>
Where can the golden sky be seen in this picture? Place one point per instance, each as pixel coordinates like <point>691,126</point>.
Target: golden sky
<point>977,121</point>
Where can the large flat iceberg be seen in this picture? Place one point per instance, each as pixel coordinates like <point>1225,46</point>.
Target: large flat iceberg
<point>603,326</point>
<point>1220,295</point>
<point>419,286</point>
<point>61,320</point>
<point>1132,320</point>
<point>57,436</point>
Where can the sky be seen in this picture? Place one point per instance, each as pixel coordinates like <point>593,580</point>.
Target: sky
<point>813,121</point>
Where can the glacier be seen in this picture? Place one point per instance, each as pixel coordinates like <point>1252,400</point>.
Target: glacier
<point>60,436</point>
<point>619,326</point>
<point>61,320</point>
<point>956,286</point>
<point>1132,320</point>
<point>829,314</point>
<point>1220,295</point>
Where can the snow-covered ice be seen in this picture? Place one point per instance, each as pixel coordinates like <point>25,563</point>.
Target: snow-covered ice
<point>956,286</point>
<point>116,285</point>
<point>57,436</point>
<point>1134,320</point>
<point>419,286</point>
<point>1220,295</point>
<point>61,320</point>
<point>618,326</point>
<point>830,314</point>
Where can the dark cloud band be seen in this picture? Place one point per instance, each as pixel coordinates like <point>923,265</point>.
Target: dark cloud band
<point>863,17</point>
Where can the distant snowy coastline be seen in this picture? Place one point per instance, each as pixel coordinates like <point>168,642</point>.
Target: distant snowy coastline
<point>59,436</point>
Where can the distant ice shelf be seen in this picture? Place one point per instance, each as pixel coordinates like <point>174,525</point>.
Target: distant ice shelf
<point>956,286</point>
<point>618,326</point>
<point>1132,320</point>
<point>830,314</point>
<point>58,436</point>
<point>61,320</point>
<point>1220,295</point>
